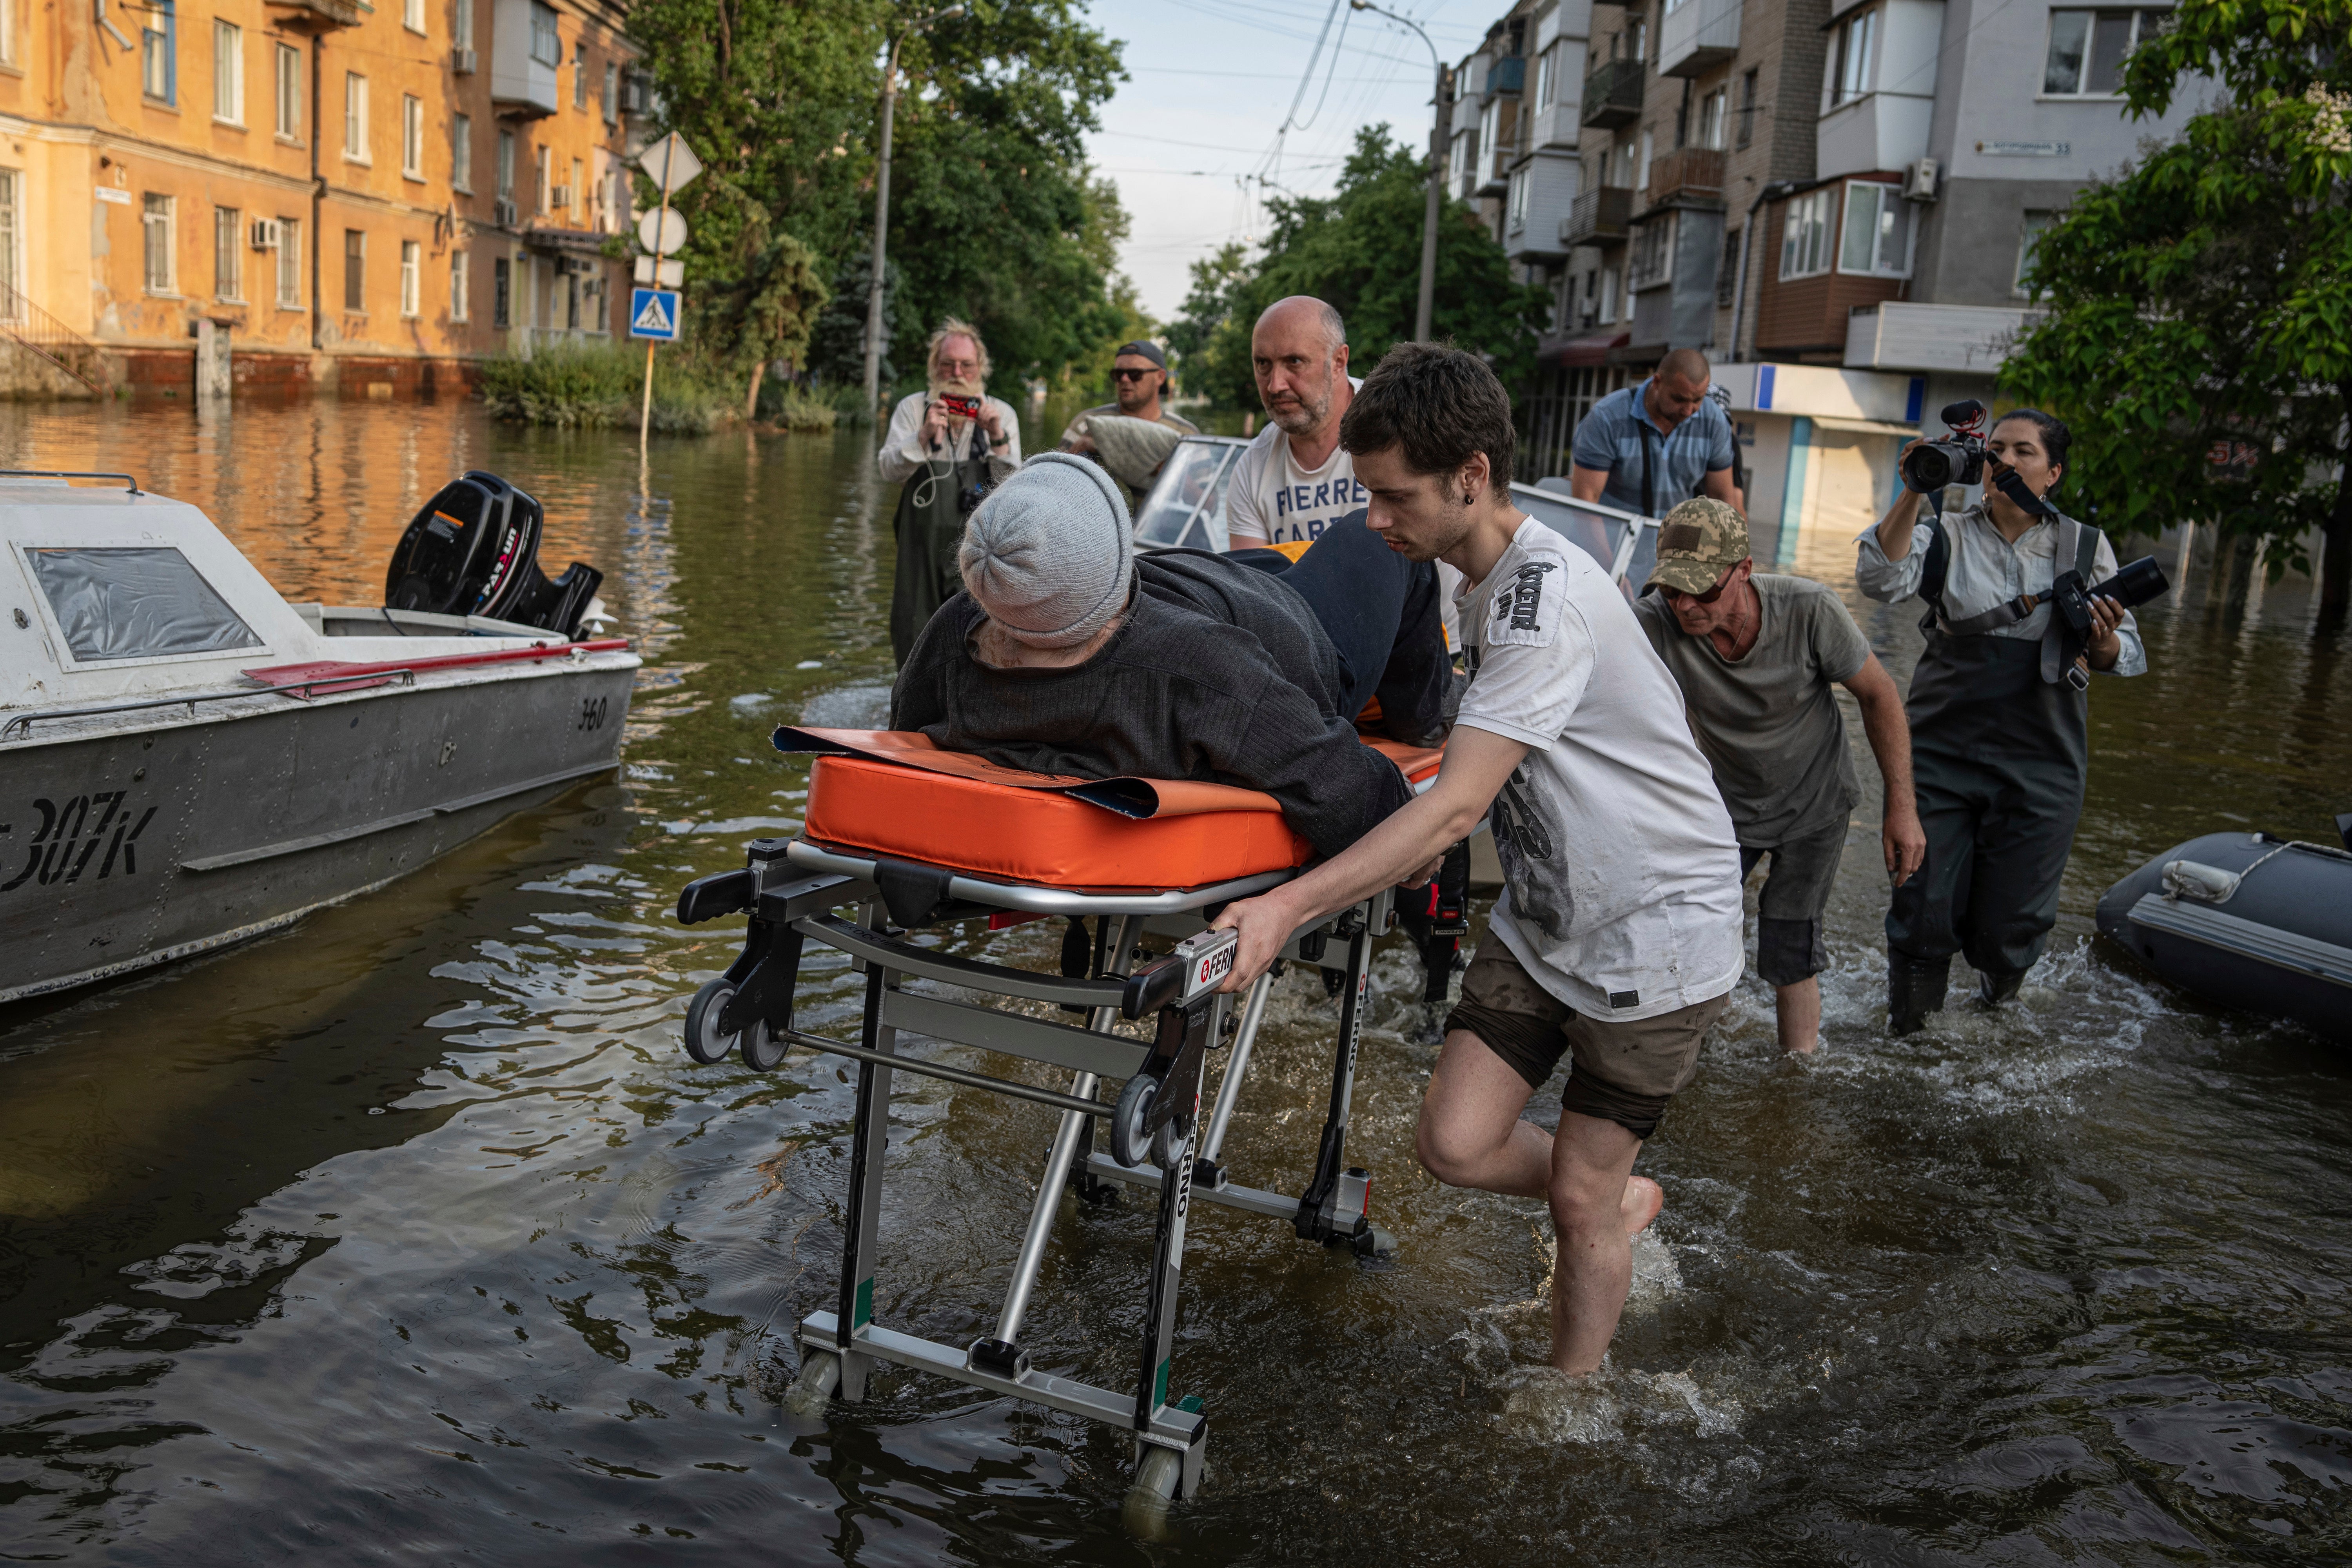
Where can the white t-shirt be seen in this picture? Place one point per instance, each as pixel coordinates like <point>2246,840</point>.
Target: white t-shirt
<point>1621,872</point>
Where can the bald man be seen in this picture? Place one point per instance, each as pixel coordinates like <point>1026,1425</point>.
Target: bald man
<point>1648,448</point>
<point>1295,480</point>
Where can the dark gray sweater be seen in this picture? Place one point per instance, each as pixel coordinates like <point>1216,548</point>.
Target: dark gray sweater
<point>1219,674</point>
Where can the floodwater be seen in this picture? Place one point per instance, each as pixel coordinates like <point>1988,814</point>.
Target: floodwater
<point>409,1234</point>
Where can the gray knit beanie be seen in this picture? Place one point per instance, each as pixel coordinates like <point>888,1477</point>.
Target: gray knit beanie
<point>1049,553</point>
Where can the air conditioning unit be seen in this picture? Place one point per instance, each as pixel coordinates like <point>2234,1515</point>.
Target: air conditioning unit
<point>503,214</point>
<point>268,233</point>
<point>1919,184</point>
<point>559,198</point>
<point>463,61</point>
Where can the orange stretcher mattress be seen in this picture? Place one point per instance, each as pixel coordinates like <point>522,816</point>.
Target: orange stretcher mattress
<point>893,792</point>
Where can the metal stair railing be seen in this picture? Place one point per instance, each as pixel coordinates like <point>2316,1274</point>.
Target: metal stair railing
<point>43,335</point>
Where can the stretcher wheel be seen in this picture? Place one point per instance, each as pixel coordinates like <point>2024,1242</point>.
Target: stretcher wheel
<point>1145,1511</point>
<point>761,1050</point>
<point>1168,1144</point>
<point>813,1389</point>
<point>704,1043</point>
<point>1128,1143</point>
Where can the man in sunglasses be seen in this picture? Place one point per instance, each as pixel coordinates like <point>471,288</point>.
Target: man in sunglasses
<point>1756,656</point>
<point>1139,375</point>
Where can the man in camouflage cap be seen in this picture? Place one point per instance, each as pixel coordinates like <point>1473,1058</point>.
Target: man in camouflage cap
<point>1756,656</point>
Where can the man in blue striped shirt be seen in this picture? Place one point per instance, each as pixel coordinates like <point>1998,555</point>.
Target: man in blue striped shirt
<point>1647,448</point>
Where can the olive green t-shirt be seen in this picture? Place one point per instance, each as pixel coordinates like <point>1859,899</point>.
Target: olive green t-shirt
<point>1769,723</point>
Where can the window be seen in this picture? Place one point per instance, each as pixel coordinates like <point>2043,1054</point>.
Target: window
<point>355,269</point>
<point>611,94</point>
<point>156,218</point>
<point>1608,296</point>
<point>1876,242</point>
<point>1517,219</point>
<point>506,165</point>
<point>576,190</point>
<point>290,91</point>
<point>411,263</point>
<point>1710,118</point>
<point>1805,233</point>
<point>2088,50</point>
<point>1625,164</point>
<point>1727,271</point>
<point>411,14</point>
<point>1490,136</point>
<point>355,118</point>
<point>1651,257</point>
<point>2028,239</point>
<point>12,233</point>
<point>1850,62</point>
<point>545,46</point>
<point>8,32</point>
<point>460,308</point>
<point>229,72</point>
<point>463,23</point>
<point>501,292</point>
<point>412,136</point>
<point>1548,78</point>
<point>228,251</point>
<point>579,80</point>
<point>461,153</point>
<point>1747,109</point>
<point>158,63</point>
<point>289,264</point>
<point>545,174</point>
<point>1642,175</point>
<point>143,602</point>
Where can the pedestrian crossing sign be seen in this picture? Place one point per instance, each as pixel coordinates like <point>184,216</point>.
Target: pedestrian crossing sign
<point>653,314</point>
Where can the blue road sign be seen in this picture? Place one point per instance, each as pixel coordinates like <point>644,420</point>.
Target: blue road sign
<point>653,314</point>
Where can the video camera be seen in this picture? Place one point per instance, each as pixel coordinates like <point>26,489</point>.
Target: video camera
<point>1959,460</point>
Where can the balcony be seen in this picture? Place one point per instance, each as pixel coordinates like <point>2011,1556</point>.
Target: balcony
<point>315,15</point>
<point>524,53</point>
<point>1601,215</point>
<point>1686,175</point>
<point>1971,339</point>
<point>1508,74</point>
<point>1696,35</point>
<point>1612,94</point>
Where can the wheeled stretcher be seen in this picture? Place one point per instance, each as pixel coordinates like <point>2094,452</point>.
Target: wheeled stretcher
<point>1121,861</point>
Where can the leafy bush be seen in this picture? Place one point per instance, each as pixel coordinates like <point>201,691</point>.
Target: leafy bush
<point>598,386</point>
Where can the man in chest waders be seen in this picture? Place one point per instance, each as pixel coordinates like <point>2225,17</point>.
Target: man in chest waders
<point>1998,714</point>
<point>939,446</point>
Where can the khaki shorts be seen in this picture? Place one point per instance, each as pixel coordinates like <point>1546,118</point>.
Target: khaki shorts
<point>1621,1072</point>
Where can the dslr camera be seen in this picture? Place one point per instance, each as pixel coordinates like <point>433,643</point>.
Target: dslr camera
<point>2131,586</point>
<point>1958,460</point>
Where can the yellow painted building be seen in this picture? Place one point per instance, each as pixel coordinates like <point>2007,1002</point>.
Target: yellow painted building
<point>353,196</point>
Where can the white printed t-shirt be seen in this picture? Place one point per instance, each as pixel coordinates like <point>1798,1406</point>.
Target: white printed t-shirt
<point>1272,499</point>
<point>1620,871</point>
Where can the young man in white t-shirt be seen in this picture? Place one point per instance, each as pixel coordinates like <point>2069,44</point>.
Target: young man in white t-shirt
<point>1617,937</point>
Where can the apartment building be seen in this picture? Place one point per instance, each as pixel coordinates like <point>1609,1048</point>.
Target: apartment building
<point>349,196</point>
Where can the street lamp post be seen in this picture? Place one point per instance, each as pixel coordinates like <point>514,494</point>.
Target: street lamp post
<point>1437,147</point>
<point>882,204</point>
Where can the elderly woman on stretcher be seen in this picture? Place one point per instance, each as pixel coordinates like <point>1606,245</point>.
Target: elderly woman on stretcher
<point>1067,653</point>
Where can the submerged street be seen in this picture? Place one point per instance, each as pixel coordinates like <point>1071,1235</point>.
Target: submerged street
<point>411,1235</point>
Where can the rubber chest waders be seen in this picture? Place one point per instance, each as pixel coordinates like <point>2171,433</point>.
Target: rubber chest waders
<point>928,527</point>
<point>1998,754</point>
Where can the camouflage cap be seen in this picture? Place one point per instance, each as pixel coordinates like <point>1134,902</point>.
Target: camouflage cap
<point>1695,542</point>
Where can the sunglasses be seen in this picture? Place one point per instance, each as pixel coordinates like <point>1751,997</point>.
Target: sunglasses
<point>1125,372</point>
<point>1709,597</point>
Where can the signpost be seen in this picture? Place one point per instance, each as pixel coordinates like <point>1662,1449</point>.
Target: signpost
<point>654,311</point>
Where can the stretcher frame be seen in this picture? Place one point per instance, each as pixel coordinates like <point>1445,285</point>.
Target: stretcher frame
<point>791,890</point>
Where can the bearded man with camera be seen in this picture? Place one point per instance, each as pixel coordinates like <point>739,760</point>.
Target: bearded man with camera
<point>946,446</point>
<point>2023,602</point>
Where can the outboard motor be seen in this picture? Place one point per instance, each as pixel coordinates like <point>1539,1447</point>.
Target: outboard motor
<point>474,550</point>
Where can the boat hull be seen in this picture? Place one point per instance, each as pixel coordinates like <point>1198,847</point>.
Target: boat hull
<point>187,831</point>
<point>2281,945</point>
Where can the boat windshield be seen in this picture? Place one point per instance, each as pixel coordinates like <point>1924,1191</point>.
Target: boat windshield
<point>1184,502</point>
<point>147,602</point>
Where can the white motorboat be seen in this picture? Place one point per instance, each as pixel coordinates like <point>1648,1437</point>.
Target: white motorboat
<point>187,759</point>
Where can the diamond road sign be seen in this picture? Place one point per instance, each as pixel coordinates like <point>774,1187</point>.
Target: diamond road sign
<point>653,314</point>
<point>671,163</point>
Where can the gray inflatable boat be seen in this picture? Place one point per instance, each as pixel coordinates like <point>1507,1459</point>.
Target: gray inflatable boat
<point>2247,920</point>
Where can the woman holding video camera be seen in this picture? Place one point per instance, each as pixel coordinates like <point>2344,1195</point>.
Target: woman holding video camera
<point>945,444</point>
<point>1998,706</point>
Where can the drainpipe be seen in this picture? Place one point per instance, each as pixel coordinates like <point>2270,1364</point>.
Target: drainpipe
<point>1771,190</point>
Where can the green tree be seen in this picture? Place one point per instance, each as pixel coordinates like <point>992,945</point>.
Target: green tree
<point>1359,250</point>
<point>2199,338</point>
